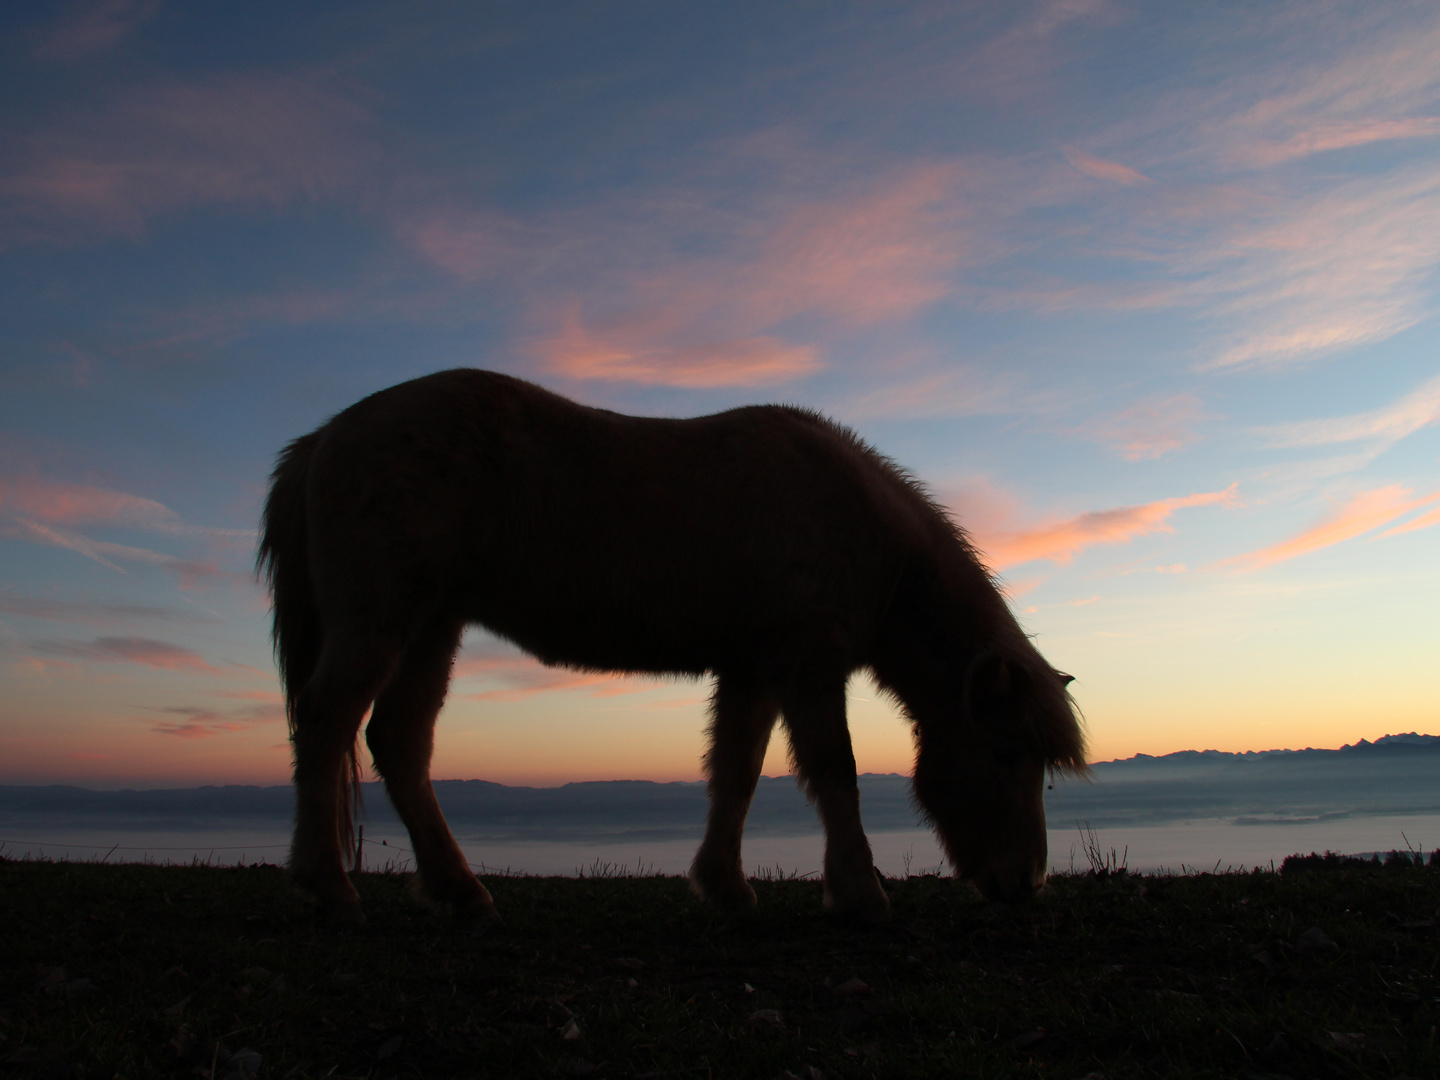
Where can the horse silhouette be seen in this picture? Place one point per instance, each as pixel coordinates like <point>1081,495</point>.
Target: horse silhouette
<point>767,546</point>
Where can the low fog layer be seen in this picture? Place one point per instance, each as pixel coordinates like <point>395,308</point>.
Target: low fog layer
<point>1398,774</point>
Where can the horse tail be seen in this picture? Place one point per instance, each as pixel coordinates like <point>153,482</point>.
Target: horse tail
<point>297,633</point>
<point>284,561</point>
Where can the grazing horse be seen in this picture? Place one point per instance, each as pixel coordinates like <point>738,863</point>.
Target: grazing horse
<point>767,545</point>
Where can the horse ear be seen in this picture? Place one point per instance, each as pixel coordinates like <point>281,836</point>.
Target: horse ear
<point>1065,680</point>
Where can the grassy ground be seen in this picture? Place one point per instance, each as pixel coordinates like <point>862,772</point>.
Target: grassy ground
<point>157,971</point>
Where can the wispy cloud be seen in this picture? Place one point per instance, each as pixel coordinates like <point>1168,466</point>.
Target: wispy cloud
<point>1342,136</point>
<point>251,139</point>
<point>148,652</point>
<point>1383,427</point>
<point>1059,541</point>
<point>94,27</point>
<point>76,504</point>
<point>97,612</point>
<point>41,511</point>
<point>1285,255</point>
<point>1364,512</point>
<point>1328,272</point>
<point>200,722</point>
<point>1150,428</point>
<point>1100,169</point>
<point>106,554</point>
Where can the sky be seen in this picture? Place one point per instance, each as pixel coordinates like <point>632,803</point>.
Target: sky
<point>1145,293</point>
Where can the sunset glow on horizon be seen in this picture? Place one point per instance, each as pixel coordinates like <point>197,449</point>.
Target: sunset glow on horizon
<point>1145,295</point>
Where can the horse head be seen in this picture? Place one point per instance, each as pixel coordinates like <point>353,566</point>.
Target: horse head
<point>980,777</point>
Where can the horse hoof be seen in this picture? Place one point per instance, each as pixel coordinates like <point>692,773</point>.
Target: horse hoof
<point>727,894</point>
<point>463,898</point>
<point>866,908</point>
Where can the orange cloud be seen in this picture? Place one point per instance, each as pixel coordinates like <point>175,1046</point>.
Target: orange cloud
<point>1424,521</point>
<point>133,650</point>
<point>1104,170</point>
<point>1061,541</point>
<point>1366,511</point>
<point>1151,428</point>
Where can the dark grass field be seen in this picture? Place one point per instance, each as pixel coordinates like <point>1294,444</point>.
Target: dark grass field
<point>1324,970</point>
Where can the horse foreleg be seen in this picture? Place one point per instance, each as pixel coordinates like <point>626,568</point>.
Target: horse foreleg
<point>820,744</point>
<point>401,737</point>
<point>742,717</point>
<point>327,718</point>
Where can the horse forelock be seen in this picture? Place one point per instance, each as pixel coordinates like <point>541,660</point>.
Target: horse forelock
<point>1030,697</point>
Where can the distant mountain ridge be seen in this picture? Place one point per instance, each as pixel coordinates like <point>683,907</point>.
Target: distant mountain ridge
<point>1386,744</point>
<point>1396,774</point>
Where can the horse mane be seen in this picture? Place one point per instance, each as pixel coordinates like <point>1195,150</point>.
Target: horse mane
<point>1051,725</point>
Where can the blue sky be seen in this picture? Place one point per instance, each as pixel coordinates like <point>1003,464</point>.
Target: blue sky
<point>1145,293</point>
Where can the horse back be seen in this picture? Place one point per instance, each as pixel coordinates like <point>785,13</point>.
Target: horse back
<point>609,541</point>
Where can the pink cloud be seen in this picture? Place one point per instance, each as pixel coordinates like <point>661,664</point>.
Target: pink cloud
<point>879,255</point>
<point>1061,540</point>
<point>655,311</point>
<point>76,504</point>
<point>160,655</point>
<point>622,353</point>
<point>1364,512</point>
<point>38,511</point>
<point>1100,169</point>
<point>1151,428</point>
<point>94,27</point>
<point>233,139</point>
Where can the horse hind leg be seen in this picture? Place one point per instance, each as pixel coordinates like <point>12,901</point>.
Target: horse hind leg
<point>820,746</point>
<point>401,736</point>
<point>328,712</point>
<point>742,717</point>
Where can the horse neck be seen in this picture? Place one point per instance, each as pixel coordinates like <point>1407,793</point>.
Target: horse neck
<point>929,641</point>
